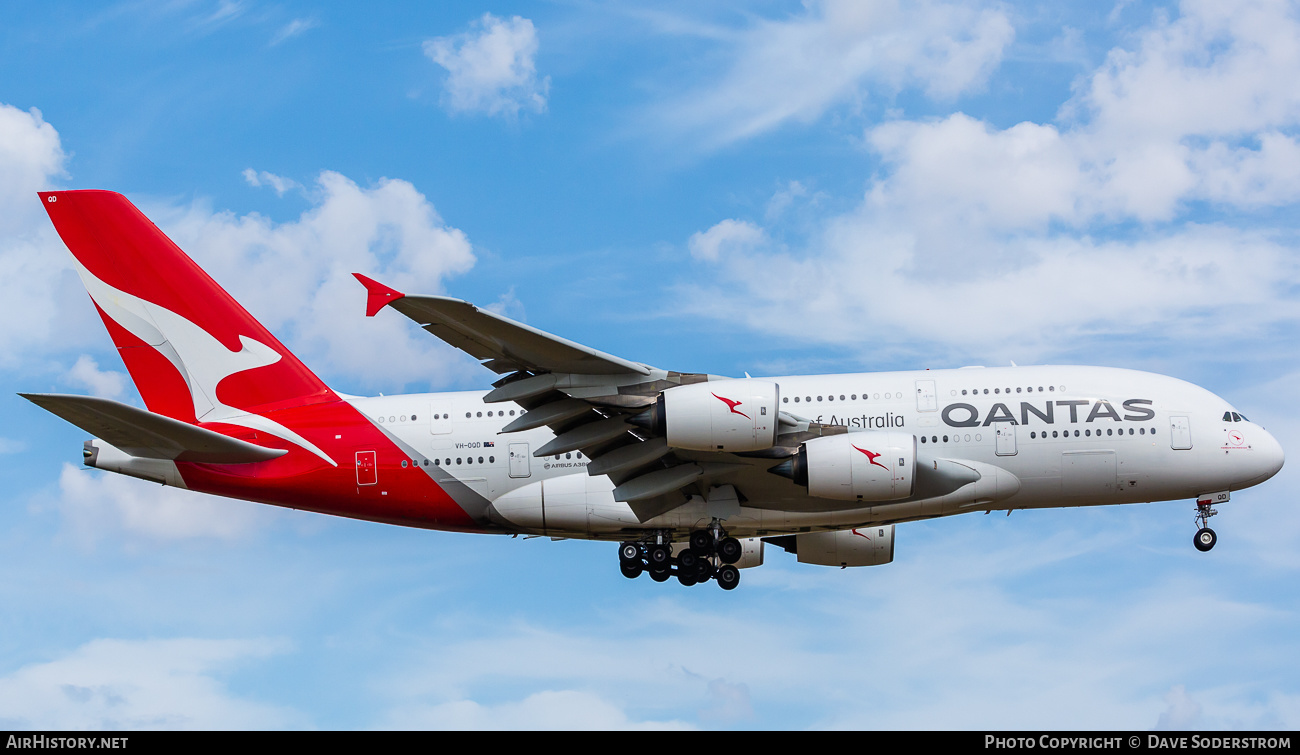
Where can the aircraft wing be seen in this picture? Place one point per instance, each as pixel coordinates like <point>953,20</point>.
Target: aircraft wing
<point>594,402</point>
<point>505,345</point>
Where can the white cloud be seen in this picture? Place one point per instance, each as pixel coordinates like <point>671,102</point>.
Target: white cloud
<point>1183,713</point>
<point>728,236</point>
<point>279,183</point>
<point>98,506</point>
<point>968,223</point>
<point>294,28</point>
<point>31,160</point>
<point>982,622</point>
<point>296,277</point>
<point>491,68</point>
<point>43,309</point>
<point>872,284</point>
<point>111,684</point>
<point>226,10</point>
<point>837,52</point>
<point>549,710</point>
<point>103,383</point>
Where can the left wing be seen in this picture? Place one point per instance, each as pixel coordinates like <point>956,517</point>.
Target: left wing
<point>594,402</point>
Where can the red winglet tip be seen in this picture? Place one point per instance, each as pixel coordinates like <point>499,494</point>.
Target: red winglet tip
<point>378,295</point>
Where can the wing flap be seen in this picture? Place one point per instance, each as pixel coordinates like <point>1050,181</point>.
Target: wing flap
<point>150,436</point>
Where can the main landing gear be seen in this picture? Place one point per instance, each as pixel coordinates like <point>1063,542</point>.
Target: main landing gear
<point>710,554</point>
<point>1205,537</point>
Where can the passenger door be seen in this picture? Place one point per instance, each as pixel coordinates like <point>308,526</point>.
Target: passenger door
<point>519,460</point>
<point>1180,433</point>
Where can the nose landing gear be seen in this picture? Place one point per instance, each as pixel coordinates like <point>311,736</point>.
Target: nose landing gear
<point>710,555</point>
<point>1205,537</point>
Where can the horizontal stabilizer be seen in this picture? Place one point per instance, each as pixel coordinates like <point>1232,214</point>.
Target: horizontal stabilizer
<point>148,435</point>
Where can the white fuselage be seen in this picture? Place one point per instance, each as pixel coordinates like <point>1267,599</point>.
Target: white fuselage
<point>1040,436</point>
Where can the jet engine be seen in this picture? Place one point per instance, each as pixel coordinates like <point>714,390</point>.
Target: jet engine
<point>860,546</point>
<point>719,415</point>
<point>866,466</point>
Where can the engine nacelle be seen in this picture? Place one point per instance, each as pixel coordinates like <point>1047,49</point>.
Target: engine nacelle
<point>861,546</point>
<point>721,415</point>
<point>866,466</point>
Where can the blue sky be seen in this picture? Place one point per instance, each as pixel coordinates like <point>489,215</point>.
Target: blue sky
<point>772,187</point>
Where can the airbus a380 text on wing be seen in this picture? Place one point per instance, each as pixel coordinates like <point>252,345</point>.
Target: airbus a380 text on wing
<point>691,473</point>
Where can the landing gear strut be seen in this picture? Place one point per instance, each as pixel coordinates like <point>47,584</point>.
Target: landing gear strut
<point>710,554</point>
<point>1205,537</point>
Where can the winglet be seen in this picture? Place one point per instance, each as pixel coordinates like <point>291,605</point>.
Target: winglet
<point>378,295</point>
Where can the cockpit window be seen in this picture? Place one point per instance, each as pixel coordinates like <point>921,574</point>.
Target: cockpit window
<point>1243,418</point>
<point>1227,416</point>
<point>1236,417</point>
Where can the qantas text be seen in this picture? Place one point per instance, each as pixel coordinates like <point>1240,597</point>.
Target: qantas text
<point>1080,410</point>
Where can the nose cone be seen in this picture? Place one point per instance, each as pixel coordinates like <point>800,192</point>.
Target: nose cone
<point>1265,460</point>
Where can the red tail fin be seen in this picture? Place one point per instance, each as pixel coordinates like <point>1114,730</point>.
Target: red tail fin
<point>192,350</point>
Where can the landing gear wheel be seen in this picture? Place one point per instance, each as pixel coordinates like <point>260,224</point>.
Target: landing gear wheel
<point>702,542</point>
<point>705,572</point>
<point>728,577</point>
<point>629,552</point>
<point>730,550</point>
<point>1205,539</point>
<point>687,577</point>
<point>660,555</point>
<point>660,575</point>
<point>631,569</point>
<point>688,561</point>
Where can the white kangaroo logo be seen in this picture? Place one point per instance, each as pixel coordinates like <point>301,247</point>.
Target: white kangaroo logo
<point>200,358</point>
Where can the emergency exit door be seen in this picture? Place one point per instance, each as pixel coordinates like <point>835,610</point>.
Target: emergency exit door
<point>927,398</point>
<point>1006,437</point>
<point>367,468</point>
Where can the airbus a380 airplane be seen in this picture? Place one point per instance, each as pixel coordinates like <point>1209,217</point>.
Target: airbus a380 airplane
<point>691,473</point>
